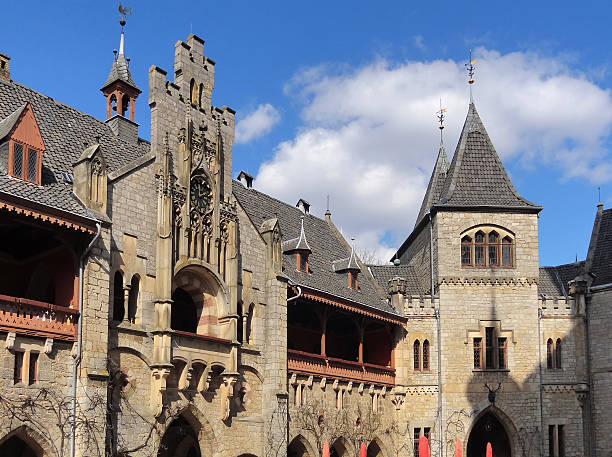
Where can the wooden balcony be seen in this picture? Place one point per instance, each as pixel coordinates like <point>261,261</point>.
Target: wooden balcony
<point>30,317</point>
<point>328,367</point>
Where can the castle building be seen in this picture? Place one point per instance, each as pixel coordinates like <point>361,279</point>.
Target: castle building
<point>151,305</point>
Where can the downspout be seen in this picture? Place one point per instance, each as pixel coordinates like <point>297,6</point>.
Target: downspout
<point>542,442</point>
<point>439,338</point>
<point>77,358</point>
<point>292,284</point>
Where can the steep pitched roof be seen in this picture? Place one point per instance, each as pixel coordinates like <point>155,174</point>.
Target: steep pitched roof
<point>436,184</point>
<point>322,239</point>
<point>477,176</point>
<point>599,257</point>
<point>553,280</point>
<point>120,70</point>
<point>64,131</point>
<point>7,124</point>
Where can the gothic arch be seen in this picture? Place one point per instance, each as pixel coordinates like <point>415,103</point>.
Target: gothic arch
<point>301,447</point>
<point>506,423</point>
<point>341,448</point>
<point>203,434</point>
<point>39,445</point>
<point>376,448</point>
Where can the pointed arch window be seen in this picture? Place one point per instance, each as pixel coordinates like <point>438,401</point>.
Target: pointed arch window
<point>416,349</point>
<point>549,354</point>
<point>426,355</point>
<point>133,298</point>
<point>507,252</point>
<point>479,249</point>
<point>118,297</point>
<point>558,353</point>
<point>466,251</point>
<point>493,249</point>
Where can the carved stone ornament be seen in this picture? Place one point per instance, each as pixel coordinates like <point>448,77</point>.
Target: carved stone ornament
<point>10,341</point>
<point>48,346</point>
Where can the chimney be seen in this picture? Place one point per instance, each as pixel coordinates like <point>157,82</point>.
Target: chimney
<point>123,128</point>
<point>246,179</point>
<point>5,73</point>
<point>303,205</point>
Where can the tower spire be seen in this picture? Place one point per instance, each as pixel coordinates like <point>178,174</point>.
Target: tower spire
<point>441,118</point>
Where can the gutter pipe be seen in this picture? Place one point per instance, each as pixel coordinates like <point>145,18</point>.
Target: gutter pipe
<point>77,358</point>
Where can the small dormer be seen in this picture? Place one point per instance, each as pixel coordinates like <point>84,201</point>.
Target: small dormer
<point>303,206</point>
<point>299,246</point>
<point>21,145</point>
<point>90,178</point>
<point>350,266</point>
<point>245,179</point>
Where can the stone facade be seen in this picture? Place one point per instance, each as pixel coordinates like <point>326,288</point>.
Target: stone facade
<point>186,294</point>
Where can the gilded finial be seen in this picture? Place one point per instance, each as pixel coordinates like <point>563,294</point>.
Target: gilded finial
<point>471,68</point>
<point>441,116</point>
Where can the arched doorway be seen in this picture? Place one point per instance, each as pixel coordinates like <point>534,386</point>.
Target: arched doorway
<point>180,440</point>
<point>16,447</point>
<point>298,448</point>
<point>184,314</point>
<point>488,429</point>
<point>374,449</point>
<point>338,449</point>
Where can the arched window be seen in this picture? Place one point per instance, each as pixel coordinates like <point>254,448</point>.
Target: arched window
<point>416,349</point>
<point>249,324</point>
<point>466,251</point>
<point>133,298</point>
<point>113,102</point>
<point>479,249</point>
<point>184,313</point>
<point>558,353</point>
<point>507,253</point>
<point>425,355</point>
<point>549,354</point>
<point>201,93</point>
<point>118,297</point>
<point>493,249</point>
<point>125,104</point>
<point>193,92</point>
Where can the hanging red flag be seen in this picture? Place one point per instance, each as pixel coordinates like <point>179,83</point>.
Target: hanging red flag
<point>423,447</point>
<point>362,451</point>
<point>489,450</point>
<point>326,449</point>
<point>457,448</point>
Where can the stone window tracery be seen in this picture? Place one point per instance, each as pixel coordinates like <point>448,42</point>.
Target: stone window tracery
<point>553,354</point>
<point>487,247</point>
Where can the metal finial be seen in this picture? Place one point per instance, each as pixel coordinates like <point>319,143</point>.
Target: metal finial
<point>599,194</point>
<point>471,68</point>
<point>124,12</point>
<point>327,202</point>
<point>441,116</point>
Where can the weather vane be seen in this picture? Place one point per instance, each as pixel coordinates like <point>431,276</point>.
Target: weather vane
<point>470,65</point>
<point>124,12</point>
<point>441,116</point>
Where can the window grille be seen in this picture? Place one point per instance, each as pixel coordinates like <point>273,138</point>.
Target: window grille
<point>416,350</point>
<point>426,355</point>
<point>32,165</point>
<point>17,160</point>
<point>478,353</point>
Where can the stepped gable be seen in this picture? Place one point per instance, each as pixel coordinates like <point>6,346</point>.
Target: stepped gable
<point>436,184</point>
<point>65,131</point>
<point>384,273</point>
<point>599,258</point>
<point>477,177</point>
<point>323,241</point>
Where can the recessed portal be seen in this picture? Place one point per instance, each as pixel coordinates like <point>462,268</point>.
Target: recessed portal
<point>488,429</point>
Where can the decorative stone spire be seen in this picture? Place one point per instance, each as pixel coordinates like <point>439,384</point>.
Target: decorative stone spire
<point>120,89</point>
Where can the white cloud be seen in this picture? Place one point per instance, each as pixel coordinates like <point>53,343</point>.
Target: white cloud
<point>369,136</point>
<point>419,42</point>
<point>257,123</point>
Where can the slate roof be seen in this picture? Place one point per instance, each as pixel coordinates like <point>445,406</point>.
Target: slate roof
<point>436,184</point>
<point>553,280</point>
<point>476,176</point>
<point>7,124</point>
<point>64,130</point>
<point>600,255</point>
<point>384,273</point>
<point>120,70</point>
<point>324,241</point>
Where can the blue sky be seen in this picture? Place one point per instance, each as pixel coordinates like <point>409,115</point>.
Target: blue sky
<point>339,97</point>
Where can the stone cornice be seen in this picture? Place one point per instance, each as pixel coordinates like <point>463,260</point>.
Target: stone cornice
<point>488,281</point>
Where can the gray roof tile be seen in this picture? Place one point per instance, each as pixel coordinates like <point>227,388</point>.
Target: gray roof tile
<point>601,263</point>
<point>65,131</point>
<point>384,273</point>
<point>324,242</point>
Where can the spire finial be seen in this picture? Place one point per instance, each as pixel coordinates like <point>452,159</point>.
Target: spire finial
<point>441,117</point>
<point>124,12</point>
<point>471,69</point>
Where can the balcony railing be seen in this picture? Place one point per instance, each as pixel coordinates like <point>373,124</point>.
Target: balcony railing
<point>314,364</point>
<point>31,317</point>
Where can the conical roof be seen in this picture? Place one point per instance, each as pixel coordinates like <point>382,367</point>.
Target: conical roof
<point>477,177</point>
<point>436,183</point>
<point>120,71</point>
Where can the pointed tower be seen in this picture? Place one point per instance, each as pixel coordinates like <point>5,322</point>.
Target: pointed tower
<point>119,89</point>
<point>436,183</point>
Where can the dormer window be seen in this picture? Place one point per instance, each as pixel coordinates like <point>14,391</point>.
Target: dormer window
<point>302,261</point>
<point>352,280</point>
<point>24,162</point>
<point>487,247</point>
<point>21,146</point>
